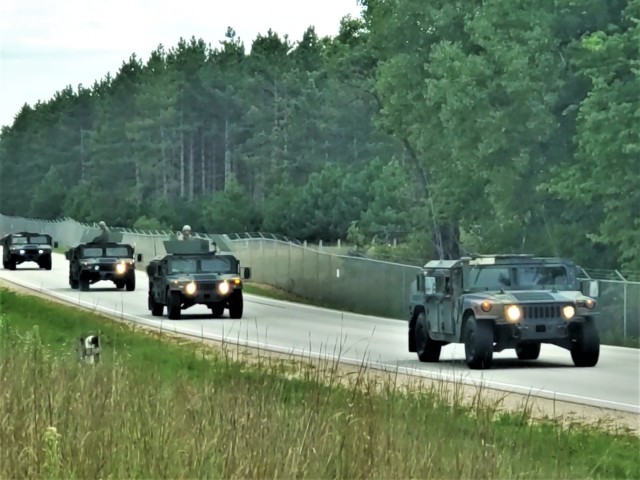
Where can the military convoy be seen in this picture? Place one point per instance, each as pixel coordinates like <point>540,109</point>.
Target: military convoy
<point>21,247</point>
<point>93,262</point>
<point>189,274</point>
<point>491,303</point>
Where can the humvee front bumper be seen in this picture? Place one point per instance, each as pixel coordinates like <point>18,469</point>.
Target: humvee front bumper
<point>106,271</point>
<point>207,292</point>
<point>29,254</point>
<point>541,322</point>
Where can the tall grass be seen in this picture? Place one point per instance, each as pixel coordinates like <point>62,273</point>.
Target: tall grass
<point>62,419</point>
<point>157,410</point>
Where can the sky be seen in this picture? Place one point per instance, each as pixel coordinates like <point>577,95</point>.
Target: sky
<point>46,45</point>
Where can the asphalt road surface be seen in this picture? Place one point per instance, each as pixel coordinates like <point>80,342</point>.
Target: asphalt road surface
<point>382,343</point>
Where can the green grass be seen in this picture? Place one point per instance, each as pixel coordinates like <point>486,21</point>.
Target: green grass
<point>155,408</point>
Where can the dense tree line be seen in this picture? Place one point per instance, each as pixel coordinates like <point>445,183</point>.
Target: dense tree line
<point>454,126</point>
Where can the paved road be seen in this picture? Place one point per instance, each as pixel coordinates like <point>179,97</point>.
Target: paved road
<point>288,327</point>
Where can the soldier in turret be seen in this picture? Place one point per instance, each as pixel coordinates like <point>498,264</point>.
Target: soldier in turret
<point>104,233</point>
<point>186,233</point>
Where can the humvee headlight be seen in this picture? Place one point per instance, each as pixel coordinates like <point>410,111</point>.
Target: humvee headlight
<point>589,303</point>
<point>513,313</point>
<point>40,251</point>
<point>190,288</point>
<point>485,306</point>
<point>236,281</point>
<point>223,288</point>
<point>568,312</point>
<point>21,252</point>
<point>121,268</point>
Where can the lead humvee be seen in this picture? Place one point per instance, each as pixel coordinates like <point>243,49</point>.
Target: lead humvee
<point>190,274</point>
<point>495,302</point>
<point>20,247</point>
<point>100,260</point>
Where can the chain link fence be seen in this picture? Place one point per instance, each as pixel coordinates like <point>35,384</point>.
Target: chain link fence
<point>340,281</point>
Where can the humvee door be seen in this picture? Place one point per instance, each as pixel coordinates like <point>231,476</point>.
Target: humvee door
<point>440,303</point>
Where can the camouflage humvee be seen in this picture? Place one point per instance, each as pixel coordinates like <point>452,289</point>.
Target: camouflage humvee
<point>23,247</point>
<point>494,302</point>
<point>96,261</point>
<point>191,274</point>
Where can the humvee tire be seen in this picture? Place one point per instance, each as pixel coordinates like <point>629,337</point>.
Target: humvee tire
<point>45,262</point>
<point>478,343</point>
<point>156,308</point>
<point>236,305</point>
<point>586,349</point>
<point>173,305</point>
<point>130,282</point>
<point>83,283</point>
<point>428,350</point>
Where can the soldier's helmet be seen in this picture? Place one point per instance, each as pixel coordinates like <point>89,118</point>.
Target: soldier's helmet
<point>186,229</point>
<point>102,225</point>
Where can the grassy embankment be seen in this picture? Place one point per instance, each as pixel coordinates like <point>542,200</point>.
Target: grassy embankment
<point>155,408</point>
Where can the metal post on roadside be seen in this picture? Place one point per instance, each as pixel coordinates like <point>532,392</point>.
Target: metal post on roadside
<point>624,304</point>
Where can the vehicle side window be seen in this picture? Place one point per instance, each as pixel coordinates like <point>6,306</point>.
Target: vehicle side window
<point>440,282</point>
<point>447,285</point>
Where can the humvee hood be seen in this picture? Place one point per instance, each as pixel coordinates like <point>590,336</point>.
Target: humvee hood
<point>31,246</point>
<point>529,296</point>
<point>104,260</point>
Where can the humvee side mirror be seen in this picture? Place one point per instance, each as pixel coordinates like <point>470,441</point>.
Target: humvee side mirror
<point>139,257</point>
<point>55,244</point>
<point>590,288</point>
<point>429,285</point>
<point>246,273</point>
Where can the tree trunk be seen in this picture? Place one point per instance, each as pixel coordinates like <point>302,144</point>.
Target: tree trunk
<point>164,166</point>
<point>203,169</point>
<point>213,179</point>
<point>181,161</point>
<point>191,169</point>
<point>227,154</point>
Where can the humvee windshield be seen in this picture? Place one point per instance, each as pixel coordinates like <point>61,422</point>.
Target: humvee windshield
<point>37,239</point>
<point>200,265</point>
<point>96,252</point>
<point>521,277</point>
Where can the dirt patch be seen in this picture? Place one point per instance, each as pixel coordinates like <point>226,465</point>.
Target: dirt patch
<point>537,408</point>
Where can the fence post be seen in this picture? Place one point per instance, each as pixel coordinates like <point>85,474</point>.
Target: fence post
<point>624,305</point>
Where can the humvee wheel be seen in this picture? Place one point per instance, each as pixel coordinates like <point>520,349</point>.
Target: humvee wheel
<point>217,310</point>
<point>236,305</point>
<point>478,343</point>
<point>586,349</point>
<point>155,307</point>
<point>173,305</point>
<point>11,264</point>
<point>119,283</point>
<point>5,264</point>
<point>83,283</point>
<point>528,351</point>
<point>72,282</point>
<point>45,262</point>
<point>130,282</point>
<point>428,350</point>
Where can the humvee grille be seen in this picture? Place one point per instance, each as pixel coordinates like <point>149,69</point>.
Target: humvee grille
<point>540,312</point>
<point>206,285</point>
